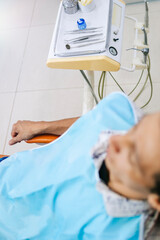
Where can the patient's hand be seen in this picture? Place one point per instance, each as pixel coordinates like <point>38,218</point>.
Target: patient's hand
<point>24,130</point>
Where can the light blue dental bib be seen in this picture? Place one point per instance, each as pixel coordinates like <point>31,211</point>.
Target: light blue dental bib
<point>49,193</point>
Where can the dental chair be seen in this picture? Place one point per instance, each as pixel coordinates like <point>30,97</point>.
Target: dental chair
<point>40,139</point>
<point>45,190</point>
<point>43,139</point>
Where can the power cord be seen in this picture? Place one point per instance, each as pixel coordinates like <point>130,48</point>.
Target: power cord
<point>102,80</point>
<point>116,82</point>
<point>137,83</point>
<point>90,86</point>
<point>151,84</point>
<point>101,85</point>
<point>144,85</point>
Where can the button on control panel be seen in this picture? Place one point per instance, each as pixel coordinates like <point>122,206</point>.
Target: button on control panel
<point>113,51</point>
<point>115,39</point>
<point>116,32</point>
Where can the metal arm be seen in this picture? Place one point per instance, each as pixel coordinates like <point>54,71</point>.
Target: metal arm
<point>145,52</point>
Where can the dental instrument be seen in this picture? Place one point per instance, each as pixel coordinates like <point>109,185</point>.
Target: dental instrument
<point>87,41</point>
<point>145,52</point>
<point>146,19</point>
<point>83,38</point>
<point>84,45</point>
<point>77,31</point>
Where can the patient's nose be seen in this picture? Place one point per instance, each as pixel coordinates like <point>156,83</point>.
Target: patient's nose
<point>116,143</point>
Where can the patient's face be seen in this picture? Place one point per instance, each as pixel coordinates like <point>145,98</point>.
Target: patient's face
<point>134,158</point>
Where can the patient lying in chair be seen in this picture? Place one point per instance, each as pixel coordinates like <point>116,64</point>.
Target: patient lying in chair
<point>80,188</point>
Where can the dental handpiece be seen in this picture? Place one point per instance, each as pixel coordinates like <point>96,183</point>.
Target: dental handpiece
<point>145,36</point>
<point>146,19</point>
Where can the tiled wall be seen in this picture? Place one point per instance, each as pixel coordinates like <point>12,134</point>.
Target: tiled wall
<point>30,90</point>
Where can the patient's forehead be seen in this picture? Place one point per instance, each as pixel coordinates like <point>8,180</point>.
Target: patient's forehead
<point>150,122</point>
<point>147,131</point>
<point>146,136</point>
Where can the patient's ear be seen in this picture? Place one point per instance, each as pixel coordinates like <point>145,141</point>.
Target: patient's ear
<point>154,201</point>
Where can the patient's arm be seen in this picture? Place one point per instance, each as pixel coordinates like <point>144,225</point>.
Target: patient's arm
<point>25,130</point>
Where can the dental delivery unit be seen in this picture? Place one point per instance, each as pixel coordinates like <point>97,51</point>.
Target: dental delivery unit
<point>88,35</point>
<point>104,28</point>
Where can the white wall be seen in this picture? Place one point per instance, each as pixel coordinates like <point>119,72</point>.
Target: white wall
<point>30,90</point>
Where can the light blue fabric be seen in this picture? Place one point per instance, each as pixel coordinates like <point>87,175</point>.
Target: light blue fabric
<point>3,158</point>
<point>50,193</point>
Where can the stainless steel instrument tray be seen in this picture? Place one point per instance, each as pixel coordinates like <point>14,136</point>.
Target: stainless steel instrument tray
<point>100,17</point>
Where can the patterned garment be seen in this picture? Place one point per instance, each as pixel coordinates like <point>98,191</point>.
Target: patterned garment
<point>116,205</point>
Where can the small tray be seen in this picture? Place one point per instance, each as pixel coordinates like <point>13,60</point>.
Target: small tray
<point>98,18</point>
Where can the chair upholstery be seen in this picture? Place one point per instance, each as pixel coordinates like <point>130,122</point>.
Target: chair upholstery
<point>1,156</point>
<point>39,139</point>
<point>43,139</point>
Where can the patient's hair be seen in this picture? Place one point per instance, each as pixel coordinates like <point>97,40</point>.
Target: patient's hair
<point>156,188</point>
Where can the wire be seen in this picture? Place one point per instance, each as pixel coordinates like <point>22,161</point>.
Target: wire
<point>137,83</point>
<point>104,77</point>
<point>133,88</point>
<point>142,89</point>
<point>90,86</point>
<point>116,82</point>
<point>151,83</point>
<point>101,85</point>
<point>144,85</point>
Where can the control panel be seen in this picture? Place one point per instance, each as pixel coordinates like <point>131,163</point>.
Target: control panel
<point>116,31</point>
